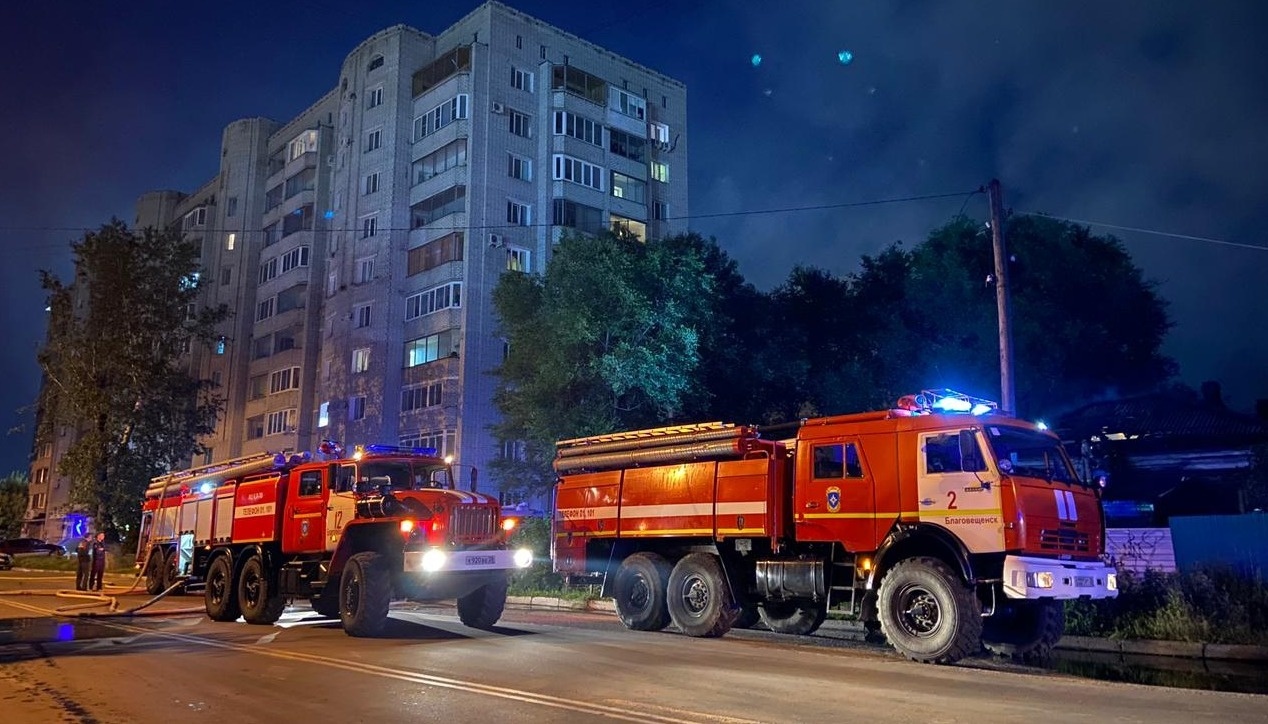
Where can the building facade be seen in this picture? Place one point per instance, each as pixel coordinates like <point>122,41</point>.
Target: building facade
<point>358,244</point>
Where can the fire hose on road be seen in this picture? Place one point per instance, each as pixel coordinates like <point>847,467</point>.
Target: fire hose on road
<point>108,598</point>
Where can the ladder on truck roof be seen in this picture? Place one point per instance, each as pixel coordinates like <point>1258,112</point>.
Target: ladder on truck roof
<point>237,467</point>
<point>645,434</point>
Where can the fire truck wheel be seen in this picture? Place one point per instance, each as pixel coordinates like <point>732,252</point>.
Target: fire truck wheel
<point>1024,630</point>
<point>928,614</point>
<point>639,592</point>
<point>748,618</point>
<point>698,598</point>
<point>483,607</point>
<point>220,597</point>
<point>365,590</point>
<point>171,573</point>
<point>790,617</point>
<point>154,573</point>
<point>260,604</point>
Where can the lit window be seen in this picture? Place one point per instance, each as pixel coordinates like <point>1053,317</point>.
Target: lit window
<point>323,414</point>
<point>361,360</point>
<point>660,171</point>
<point>231,240</point>
<point>517,259</point>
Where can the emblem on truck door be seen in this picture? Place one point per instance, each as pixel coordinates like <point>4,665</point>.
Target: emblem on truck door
<point>834,499</point>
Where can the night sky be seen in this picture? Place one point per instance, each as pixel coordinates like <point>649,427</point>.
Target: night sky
<point>1139,113</point>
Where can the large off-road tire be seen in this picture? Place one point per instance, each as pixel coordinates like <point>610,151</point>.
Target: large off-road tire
<point>748,618</point>
<point>698,598</point>
<point>793,617</point>
<point>154,572</point>
<point>928,614</point>
<point>483,607</point>
<point>257,594</point>
<point>220,595</point>
<point>172,574</point>
<point>327,603</point>
<point>365,590</point>
<point>1025,631</point>
<point>639,592</point>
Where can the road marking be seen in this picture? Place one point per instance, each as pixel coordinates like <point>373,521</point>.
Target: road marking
<point>625,714</point>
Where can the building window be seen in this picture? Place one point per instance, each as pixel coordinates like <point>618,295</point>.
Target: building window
<point>262,347</point>
<point>361,316</point>
<point>521,124</point>
<point>281,421</point>
<point>374,140</point>
<point>522,80</point>
<point>417,398</point>
<point>660,210</point>
<point>226,276</point>
<point>446,296</point>
<point>629,188</point>
<point>450,155</point>
<point>356,408</point>
<point>283,380</point>
<point>633,228</point>
<point>197,217</point>
<point>586,219</point>
<point>265,309</point>
<point>519,42</point>
<point>369,226</point>
<point>231,206</point>
<point>255,427</point>
<point>371,184</point>
<point>374,98</point>
<point>429,349</point>
<point>272,233</point>
<point>660,171</point>
<point>577,171</point>
<point>571,124</point>
<point>258,386</point>
<point>450,201</point>
<point>429,76</point>
<point>658,133</point>
<point>518,214</point>
<point>305,142</point>
<point>221,343</point>
<point>442,115</point>
<point>360,360</point>
<point>519,167</point>
<point>323,415</point>
<point>231,240</point>
<point>375,63</point>
<point>434,253</point>
<point>543,52</point>
<point>332,283</point>
<point>517,259</point>
<point>580,83</point>
<point>300,219</point>
<point>627,145</point>
<point>295,258</point>
<point>628,103</point>
<point>440,440</point>
<point>363,272</point>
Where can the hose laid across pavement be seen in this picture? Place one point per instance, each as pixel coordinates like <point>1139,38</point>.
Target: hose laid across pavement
<point>110,600</point>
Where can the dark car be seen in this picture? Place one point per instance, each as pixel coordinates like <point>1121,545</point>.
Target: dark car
<point>30,546</point>
<point>6,561</point>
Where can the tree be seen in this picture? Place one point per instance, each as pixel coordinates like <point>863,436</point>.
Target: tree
<point>1086,322</point>
<point>13,498</point>
<point>608,339</point>
<point>116,364</point>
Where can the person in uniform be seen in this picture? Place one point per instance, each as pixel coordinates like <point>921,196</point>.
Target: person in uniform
<point>83,555</point>
<point>98,562</point>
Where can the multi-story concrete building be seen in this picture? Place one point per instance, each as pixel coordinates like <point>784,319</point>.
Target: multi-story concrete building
<point>359,243</point>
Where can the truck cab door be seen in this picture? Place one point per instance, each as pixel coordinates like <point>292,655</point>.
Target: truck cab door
<point>957,488</point>
<point>341,506</point>
<point>834,498</point>
<point>304,525</point>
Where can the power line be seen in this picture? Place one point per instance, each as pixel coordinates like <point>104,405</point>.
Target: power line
<point>1155,232</point>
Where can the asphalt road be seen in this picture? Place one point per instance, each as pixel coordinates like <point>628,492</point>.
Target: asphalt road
<point>535,667</point>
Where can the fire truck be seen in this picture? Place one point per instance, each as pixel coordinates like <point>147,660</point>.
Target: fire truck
<point>942,524</point>
<point>348,534</point>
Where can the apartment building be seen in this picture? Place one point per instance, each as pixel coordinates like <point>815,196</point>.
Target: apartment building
<point>359,243</point>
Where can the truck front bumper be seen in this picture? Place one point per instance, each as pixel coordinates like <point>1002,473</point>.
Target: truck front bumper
<point>1033,578</point>
<point>437,560</point>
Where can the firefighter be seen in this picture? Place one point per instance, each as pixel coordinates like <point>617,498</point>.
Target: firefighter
<point>98,562</point>
<point>83,555</point>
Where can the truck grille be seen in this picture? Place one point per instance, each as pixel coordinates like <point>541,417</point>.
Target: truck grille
<point>473,524</point>
<point>1065,540</point>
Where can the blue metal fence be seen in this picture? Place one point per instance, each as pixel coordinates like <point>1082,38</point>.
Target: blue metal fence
<point>1239,541</point>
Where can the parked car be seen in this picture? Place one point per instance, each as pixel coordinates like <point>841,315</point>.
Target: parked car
<point>6,561</point>
<point>30,546</point>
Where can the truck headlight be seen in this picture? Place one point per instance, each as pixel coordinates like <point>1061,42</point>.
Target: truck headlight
<point>433,560</point>
<point>1111,581</point>
<point>1039,579</point>
<point>523,558</point>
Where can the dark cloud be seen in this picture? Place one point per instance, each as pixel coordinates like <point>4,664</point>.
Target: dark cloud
<point>1142,113</point>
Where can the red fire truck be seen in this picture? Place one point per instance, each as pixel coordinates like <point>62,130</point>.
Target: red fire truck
<point>348,534</point>
<point>942,524</point>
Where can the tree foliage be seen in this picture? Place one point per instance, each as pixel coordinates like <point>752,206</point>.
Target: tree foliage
<point>609,338</point>
<point>13,498</point>
<point>116,364</point>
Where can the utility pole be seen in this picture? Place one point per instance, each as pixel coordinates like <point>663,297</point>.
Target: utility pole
<point>1007,389</point>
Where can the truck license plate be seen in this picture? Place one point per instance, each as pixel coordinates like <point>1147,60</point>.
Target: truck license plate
<point>1083,581</point>
<point>480,560</point>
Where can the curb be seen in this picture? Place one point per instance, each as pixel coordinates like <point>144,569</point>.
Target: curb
<point>1135,647</point>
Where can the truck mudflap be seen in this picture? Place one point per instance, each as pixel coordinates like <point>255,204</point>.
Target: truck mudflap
<point>1035,578</point>
<point>437,560</point>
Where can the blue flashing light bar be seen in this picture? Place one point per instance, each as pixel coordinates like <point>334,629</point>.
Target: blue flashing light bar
<point>398,450</point>
<point>946,400</point>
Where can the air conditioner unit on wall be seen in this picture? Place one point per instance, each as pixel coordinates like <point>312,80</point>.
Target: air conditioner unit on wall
<point>499,107</point>
<point>496,240</point>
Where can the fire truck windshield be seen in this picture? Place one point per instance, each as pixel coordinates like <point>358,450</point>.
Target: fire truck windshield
<point>1019,451</point>
<point>404,475</point>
